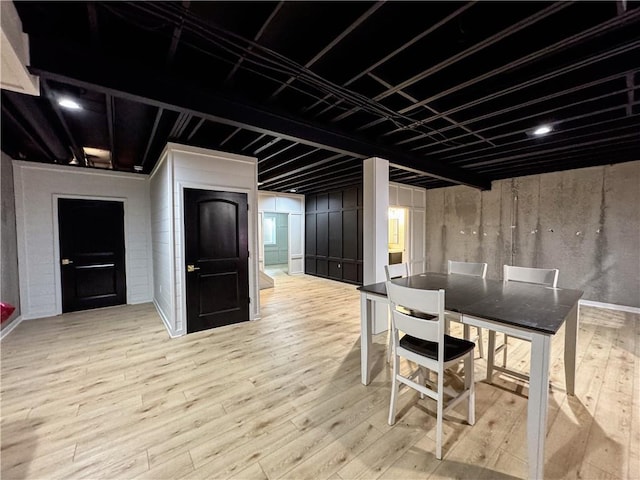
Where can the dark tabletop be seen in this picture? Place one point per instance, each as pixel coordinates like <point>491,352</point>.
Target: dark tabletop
<point>525,305</point>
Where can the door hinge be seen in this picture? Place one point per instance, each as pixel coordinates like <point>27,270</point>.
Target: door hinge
<point>249,299</point>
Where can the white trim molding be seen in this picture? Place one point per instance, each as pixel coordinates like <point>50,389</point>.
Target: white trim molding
<point>610,306</point>
<point>165,320</point>
<point>12,325</point>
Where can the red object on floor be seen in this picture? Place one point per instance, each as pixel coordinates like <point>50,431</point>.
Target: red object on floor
<point>5,311</point>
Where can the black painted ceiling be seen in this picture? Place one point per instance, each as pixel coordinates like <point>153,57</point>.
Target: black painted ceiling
<point>448,92</point>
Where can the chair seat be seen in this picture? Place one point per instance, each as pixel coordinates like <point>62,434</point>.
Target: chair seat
<point>453,347</point>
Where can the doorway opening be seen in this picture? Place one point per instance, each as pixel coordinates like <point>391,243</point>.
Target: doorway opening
<point>275,242</point>
<point>216,254</point>
<point>92,253</point>
<point>398,235</point>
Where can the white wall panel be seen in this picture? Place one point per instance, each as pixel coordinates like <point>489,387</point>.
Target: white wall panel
<point>266,203</point>
<point>290,204</point>
<point>296,243</point>
<point>393,194</point>
<point>418,245</point>
<point>405,196</point>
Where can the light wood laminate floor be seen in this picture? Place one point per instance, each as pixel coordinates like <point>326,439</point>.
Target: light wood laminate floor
<point>107,394</point>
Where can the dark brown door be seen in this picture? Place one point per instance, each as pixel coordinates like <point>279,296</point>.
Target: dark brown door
<point>216,252</point>
<point>91,254</point>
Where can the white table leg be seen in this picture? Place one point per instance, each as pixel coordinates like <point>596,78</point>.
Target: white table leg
<point>571,349</point>
<point>538,404</point>
<point>365,336</point>
<point>491,353</point>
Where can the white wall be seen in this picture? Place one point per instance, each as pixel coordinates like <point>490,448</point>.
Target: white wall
<point>37,188</point>
<point>375,225</point>
<point>181,167</point>
<point>161,211</point>
<point>9,277</point>
<point>293,205</point>
<point>414,199</point>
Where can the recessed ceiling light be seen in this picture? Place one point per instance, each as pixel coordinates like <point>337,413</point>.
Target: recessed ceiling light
<point>542,130</point>
<point>68,103</point>
<point>137,168</point>
<point>293,190</point>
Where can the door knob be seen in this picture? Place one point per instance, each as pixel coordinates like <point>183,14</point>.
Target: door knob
<point>192,268</point>
<point>66,261</point>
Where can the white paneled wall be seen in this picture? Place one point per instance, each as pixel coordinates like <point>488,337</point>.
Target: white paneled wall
<point>181,167</point>
<point>292,204</point>
<point>160,190</point>
<point>414,200</point>
<point>37,189</point>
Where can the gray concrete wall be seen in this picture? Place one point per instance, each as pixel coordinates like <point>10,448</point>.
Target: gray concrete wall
<point>9,281</point>
<point>585,222</point>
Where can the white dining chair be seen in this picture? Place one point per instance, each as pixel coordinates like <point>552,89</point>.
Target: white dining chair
<point>538,276</point>
<point>395,270</point>
<point>425,344</point>
<point>474,270</point>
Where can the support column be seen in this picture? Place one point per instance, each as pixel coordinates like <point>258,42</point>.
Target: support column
<point>375,231</point>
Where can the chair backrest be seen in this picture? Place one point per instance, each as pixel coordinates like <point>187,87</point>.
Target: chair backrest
<point>396,270</point>
<point>406,302</point>
<point>541,276</point>
<point>468,268</point>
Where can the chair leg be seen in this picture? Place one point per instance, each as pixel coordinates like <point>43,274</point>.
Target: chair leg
<point>469,384</point>
<point>439,415</point>
<point>422,377</point>
<point>389,343</point>
<point>491,354</point>
<point>395,387</point>
<point>504,351</point>
<point>480,346</point>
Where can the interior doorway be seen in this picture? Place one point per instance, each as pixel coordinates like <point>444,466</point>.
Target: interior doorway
<point>398,235</point>
<point>216,254</point>
<point>92,253</point>
<point>275,242</point>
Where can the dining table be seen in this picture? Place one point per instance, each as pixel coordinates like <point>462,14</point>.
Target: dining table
<point>526,311</point>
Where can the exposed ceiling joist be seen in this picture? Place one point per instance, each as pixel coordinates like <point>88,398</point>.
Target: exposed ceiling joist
<point>332,44</point>
<point>395,52</point>
<point>175,38</point>
<point>498,37</point>
<point>79,67</point>
<point>46,153</point>
<point>110,104</point>
<point>77,151</point>
<point>255,39</point>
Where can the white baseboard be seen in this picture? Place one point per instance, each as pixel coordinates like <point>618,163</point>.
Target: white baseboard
<point>609,306</point>
<point>12,325</point>
<point>165,320</point>
<point>140,301</point>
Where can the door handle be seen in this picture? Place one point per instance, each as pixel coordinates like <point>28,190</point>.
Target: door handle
<point>192,268</point>
<point>66,261</point>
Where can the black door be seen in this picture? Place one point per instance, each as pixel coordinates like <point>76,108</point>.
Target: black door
<point>216,253</point>
<point>91,254</point>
